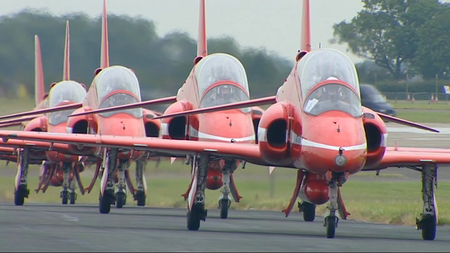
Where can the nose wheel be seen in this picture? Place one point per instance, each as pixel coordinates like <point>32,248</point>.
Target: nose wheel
<point>224,205</point>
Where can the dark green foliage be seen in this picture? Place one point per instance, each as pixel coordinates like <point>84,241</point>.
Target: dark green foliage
<point>161,63</point>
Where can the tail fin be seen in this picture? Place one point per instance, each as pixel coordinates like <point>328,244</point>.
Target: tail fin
<point>306,32</point>
<point>104,57</point>
<point>202,48</point>
<point>38,72</point>
<point>66,68</point>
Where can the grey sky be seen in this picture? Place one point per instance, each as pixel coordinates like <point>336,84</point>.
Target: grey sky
<point>273,24</point>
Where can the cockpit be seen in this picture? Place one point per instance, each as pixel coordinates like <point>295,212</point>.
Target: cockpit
<point>115,86</point>
<point>64,92</point>
<point>329,81</point>
<point>221,79</point>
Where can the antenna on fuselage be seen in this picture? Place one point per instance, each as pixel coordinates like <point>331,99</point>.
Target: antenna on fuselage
<point>202,47</point>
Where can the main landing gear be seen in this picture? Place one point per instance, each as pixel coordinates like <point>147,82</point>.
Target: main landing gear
<point>196,199</point>
<point>141,186</point>
<point>21,190</point>
<point>428,218</point>
<point>107,196</point>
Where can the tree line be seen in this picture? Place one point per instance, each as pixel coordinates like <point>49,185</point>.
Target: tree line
<point>400,40</point>
<point>161,64</point>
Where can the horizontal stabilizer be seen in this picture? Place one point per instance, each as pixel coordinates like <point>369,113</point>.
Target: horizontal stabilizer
<point>406,122</point>
<point>130,106</point>
<point>46,110</point>
<point>248,103</point>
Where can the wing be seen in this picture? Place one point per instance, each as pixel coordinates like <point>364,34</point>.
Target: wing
<point>406,122</point>
<point>42,111</point>
<point>130,106</point>
<point>14,122</point>
<point>156,146</point>
<point>412,157</point>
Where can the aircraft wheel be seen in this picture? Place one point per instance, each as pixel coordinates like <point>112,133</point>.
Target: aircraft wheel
<point>73,197</point>
<point>309,211</point>
<point>140,197</point>
<point>331,226</point>
<point>20,194</point>
<point>194,216</point>
<point>223,205</point>
<point>105,203</point>
<point>120,199</point>
<point>65,197</point>
<point>429,227</point>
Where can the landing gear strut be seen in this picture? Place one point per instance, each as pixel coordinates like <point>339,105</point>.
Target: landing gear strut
<point>21,190</point>
<point>141,185</point>
<point>107,197</point>
<point>121,193</point>
<point>331,220</point>
<point>428,218</point>
<point>196,198</point>
<point>224,200</point>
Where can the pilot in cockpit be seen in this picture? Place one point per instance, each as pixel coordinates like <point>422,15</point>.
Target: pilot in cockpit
<point>224,92</point>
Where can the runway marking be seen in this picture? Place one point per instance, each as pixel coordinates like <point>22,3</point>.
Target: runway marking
<point>65,216</point>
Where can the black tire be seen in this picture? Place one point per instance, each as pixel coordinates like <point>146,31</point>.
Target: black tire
<point>105,203</point>
<point>120,199</point>
<point>429,228</point>
<point>65,197</point>
<point>194,217</point>
<point>331,226</point>
<point>223,205</point>
<point>309,211</point>
<point>140,199</point>
<point>20,194</point>
<point>73,197</point>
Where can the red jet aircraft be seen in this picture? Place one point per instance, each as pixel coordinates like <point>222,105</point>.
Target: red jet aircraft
<point>56,169</point>
<point>317,126</point>
<point>112,86</point>
<point>215,79</point>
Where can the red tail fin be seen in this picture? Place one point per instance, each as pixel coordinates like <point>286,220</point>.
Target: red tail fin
<point>306,33</point>
<point>66,68</point>
<point>202,48</point>
<point>38,72</point>
<point>104,57</point>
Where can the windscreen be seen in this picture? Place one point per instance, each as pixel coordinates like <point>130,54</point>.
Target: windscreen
<point>221,79</point>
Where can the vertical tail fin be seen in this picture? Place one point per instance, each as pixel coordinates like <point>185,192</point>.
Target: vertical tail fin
<point>104,57</point>
<point>202,48</point>
<point>306,33</point>
<point>39,90</point>
<point>66,68</point>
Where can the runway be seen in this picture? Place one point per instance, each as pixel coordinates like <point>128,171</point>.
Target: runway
<point>53,227</point>
<point>81,228</point>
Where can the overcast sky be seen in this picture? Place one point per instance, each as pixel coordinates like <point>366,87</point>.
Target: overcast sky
<point>273,24</point>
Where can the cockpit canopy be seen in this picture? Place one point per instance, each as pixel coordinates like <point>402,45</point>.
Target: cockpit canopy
<point>64,92</point>
<point>221,79</point>
<point>329,80</point>
<point>117,85</point>
<point>69,91</point>
<point>319,65</point>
